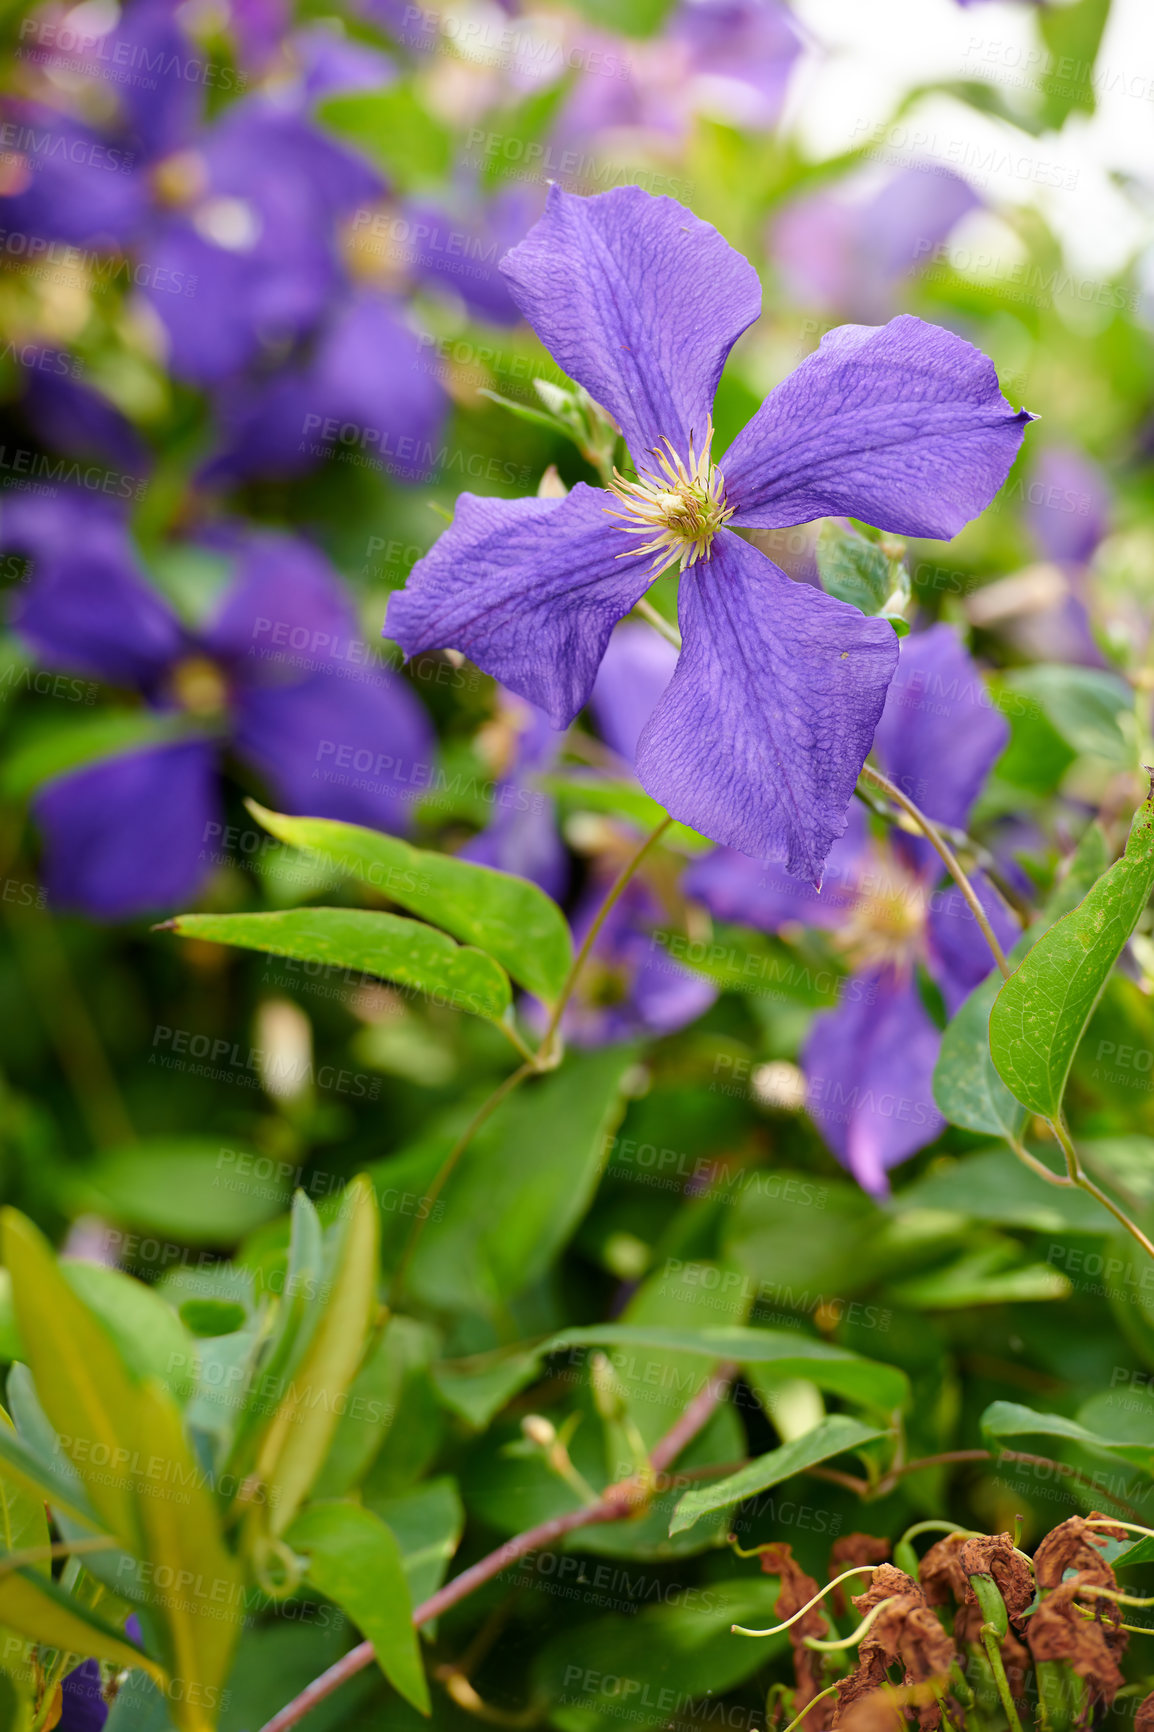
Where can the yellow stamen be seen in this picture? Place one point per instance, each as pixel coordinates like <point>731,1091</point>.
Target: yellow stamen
<point>683,502</point>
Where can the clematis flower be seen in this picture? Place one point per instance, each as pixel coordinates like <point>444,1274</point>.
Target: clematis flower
<point>277,676</point>
<point>760,735</point>
<point>869,1064</point>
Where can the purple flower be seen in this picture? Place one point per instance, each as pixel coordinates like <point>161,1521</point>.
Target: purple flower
<point>845,252</point>
<point>760,735</point>
<point>869,1064</point>
<point>82,1708</point>
<point>279,676</point>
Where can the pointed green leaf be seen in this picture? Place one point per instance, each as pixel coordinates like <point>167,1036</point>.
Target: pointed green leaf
<point>296,1444</point>
<point>1006,1419</point>
<point>834,1436</point>
<point>506,916</point>
<point>36,1607</point>
<point>1041,1012</point>
<point>43,1473</point>
<point>860,571</point>
<point>83,1383</point>
<point>23,1522</point>
<point>386,945</point>
<point>881,1388</point>
<point>354,1559</point>
<point>428,1522</point>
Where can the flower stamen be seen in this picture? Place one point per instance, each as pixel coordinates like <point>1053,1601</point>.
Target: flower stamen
<point>683,502</point>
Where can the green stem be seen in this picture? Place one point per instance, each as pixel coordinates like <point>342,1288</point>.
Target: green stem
<point>820,1697</point>
<point>1002,1683</point>
<point>1077,1177</point>
<point>671,635</point>
<point>545,1058</point>
<point>949,859</point>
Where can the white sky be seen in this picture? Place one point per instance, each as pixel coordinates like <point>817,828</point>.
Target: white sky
<point>867,54</point>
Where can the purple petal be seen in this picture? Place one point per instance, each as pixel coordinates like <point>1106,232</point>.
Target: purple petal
<point>69,415</point>
<point>637,666</point>
<point>869,1065</point>
<point>360,748</point>
<point>900,425</point>
<point>82,1707</point>
<point>88,608</point>
<point>640,302</point>
<point>77,189</point>
<point>959,956</point>
<point>286,615</point>
<point>367,382</point>
<point>760,893</point>
<point>129,836</point>
<point>528,589</point>
<point>523,839</point>
<point>745,42</point>
<point>631,986</point>
<point>759,738</point>
<point>940,734</point>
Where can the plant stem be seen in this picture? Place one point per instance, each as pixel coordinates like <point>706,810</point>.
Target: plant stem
<point>545,1058</point>
<point>617,1502</point>
<point>949,859</point>
<point>659,623</point>
<point>1078,1177</point>
<point>994,1656</point>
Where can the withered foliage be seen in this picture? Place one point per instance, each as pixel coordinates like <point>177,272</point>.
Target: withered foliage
<point>796,1590</point>
<point>995,1555</point>
<point>941,1574</point>
<point>876,1711</point>
<point>906,1630</point>
<point>1144,1718</point>
<point>849,1550</point>
<point>1090,1646</point>
<point>1076,1546</point>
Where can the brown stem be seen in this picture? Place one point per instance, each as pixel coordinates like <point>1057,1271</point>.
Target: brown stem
<point>949,859</point>
<point>616,1503</point>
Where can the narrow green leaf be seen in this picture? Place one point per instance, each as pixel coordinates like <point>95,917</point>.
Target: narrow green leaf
<point>524,411</point>
<point>23,1522</point>
<point>355,1560</point>
<point>506,916</point>
<point>386,945</point>
<point>1041,1012</point>
<point>834,1436</point>
<point>297,1442</point>
<point>881,1388</point>
<point>1006,1419</point>
<point>83,1383</point>
<point>35,1607</point>
<point>967,1088</point>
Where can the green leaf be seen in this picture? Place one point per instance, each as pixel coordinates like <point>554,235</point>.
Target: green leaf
<point>834,1436</point>
<point>1085,706</point>
<point>23,1523</point>
<point>31,1455</point>
<point>861,572</point>
<point>967,1088</point>
<point>190,1189</point>
<point>354,1558</point>
<point>84,1386</point>
<point>1041,1012</point>
<point>621,799</point>
<point>396,129</point>
<point>1006,1419</point>
<point>519,1190</point>
<point>294,1448</point>
<point>35,1607</point>
<point>53,751</point>
<point>994,1185</point>
<point>428,1522</point>
<point>991,1274</point>
<point>386,945</point>
<point>1072,35</point>
<point>148,1332</point>
<point>665,1656</point>
<point>506,916</point>
<point>478,1390</point>
<point>881,1388</point>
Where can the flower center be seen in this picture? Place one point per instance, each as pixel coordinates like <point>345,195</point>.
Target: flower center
<point>679,506</point>
<point>198,686</point>
<point>887,923</point>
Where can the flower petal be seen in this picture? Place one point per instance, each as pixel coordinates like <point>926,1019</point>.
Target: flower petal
<point>89,607</point>
<point>529,590</point>
<point>759,738</point>
<point>286,614</point>
<point>130,835</point>
<point>869,1065</point>
<point>639,301</point>
<point>901,425</point>
<point>939,734</point>
<point>359,748</point>
<point>761,894</point>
